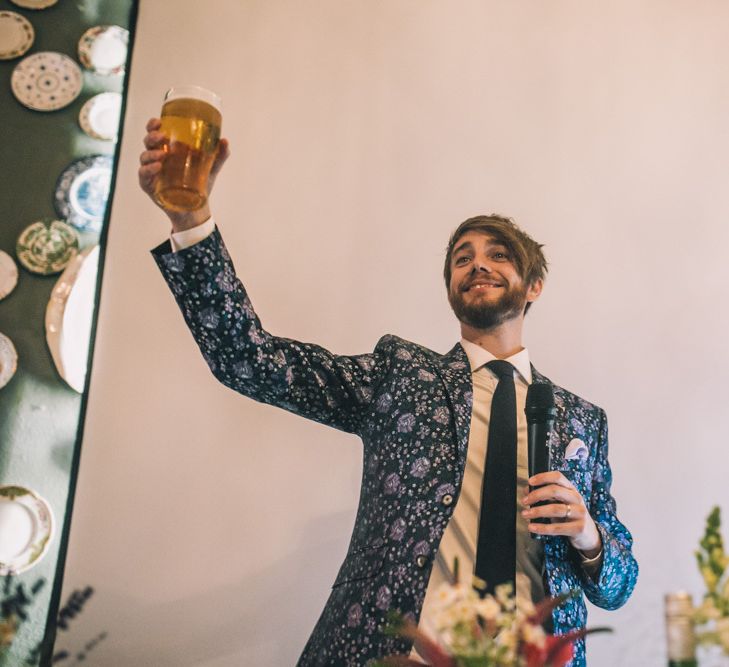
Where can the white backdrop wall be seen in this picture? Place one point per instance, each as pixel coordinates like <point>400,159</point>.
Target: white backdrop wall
<point>362,133</point>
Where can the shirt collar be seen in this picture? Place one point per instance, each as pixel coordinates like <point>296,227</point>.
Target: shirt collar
<point>478,356</point>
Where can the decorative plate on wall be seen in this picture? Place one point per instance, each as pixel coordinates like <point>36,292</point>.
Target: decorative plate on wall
<point>46,81</point>
<point>103,49</point>
<point>47,247</point>
<point>26,529</point>
<point>34,4</point>
<point>16,35</point>
<point>69,315</point>
<point>99,116</point>
<point>83,190</point>
<point>8,274</point>
<point>8,360</point>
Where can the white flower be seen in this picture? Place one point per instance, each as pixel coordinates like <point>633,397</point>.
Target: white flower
<point>504,594</point>
<point>722,629</point>
<point>488,608</point>
<point>533,634</point>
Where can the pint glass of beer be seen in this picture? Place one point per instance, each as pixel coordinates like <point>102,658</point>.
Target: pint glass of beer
<point>191,121</point>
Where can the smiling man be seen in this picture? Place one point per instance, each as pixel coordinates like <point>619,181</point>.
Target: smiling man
<point>444,437</point>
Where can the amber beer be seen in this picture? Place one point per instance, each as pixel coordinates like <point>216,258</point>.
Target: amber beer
<point>191,121</point>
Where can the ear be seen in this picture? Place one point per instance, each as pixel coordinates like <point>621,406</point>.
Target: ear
<point>535,289</point>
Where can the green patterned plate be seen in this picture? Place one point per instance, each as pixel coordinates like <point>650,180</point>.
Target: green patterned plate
<point>26,529</point>
<point>47,247</point>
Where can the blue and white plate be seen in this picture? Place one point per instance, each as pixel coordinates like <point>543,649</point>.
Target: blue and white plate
<point>82,192</point>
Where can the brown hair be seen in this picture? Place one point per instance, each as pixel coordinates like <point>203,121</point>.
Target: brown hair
<point>528,256</point>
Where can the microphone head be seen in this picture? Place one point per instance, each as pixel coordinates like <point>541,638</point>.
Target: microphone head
<point>540,403</point>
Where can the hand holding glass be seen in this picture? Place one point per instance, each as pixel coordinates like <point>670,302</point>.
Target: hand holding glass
<point>191,123</point>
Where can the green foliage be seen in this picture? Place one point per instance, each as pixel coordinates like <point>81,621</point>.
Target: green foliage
<point>713,563</point>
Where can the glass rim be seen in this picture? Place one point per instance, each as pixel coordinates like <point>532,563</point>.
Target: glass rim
<point>194,92</point>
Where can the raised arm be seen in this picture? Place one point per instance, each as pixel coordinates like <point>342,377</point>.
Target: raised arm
<point>302,378</point>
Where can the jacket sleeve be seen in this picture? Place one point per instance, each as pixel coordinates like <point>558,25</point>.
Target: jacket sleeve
<point>302,378</point>
<point>619,572</point>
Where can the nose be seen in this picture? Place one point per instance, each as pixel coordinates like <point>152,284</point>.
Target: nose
<point>481,264</point>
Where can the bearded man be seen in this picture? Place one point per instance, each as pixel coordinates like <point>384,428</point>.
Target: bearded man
<point>444,437</point>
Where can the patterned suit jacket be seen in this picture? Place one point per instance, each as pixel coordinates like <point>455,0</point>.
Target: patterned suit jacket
<point>412,408</point>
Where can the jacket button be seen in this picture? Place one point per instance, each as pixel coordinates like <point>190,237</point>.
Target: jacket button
<point>447,499</point>
<point>421,561</point>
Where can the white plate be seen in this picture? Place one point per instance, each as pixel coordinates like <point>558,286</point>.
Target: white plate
<point>34,4</point>
<point>99,116</point>
<point>69,316</point>
<point>16,35</point>
<point>103,49</point>
<point>26,529</point>
<point>8,274</point>
<point>46,81</point>
<point>8,360</point>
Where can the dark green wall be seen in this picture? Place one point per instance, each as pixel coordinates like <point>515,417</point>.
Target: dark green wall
<point>40,416</point>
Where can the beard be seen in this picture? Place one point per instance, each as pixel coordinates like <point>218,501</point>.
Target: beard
<point>486,315</point>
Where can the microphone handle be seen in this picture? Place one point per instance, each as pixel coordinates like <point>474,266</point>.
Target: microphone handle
<point>538,449</point>
<point>538,436</point>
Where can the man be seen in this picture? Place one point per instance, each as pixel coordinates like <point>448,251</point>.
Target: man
<point>426,421</point>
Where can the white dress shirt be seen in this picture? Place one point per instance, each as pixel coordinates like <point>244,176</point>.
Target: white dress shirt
<point>461,535</point>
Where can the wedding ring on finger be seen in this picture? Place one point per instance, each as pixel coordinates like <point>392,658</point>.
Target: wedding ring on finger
<point>567,511</point>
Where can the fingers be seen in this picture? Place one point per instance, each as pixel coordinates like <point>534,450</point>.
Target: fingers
<point>148,175</point>
<point>154,139</point>
<point>551,477</point>
<point>562,494</point>
<point>150,165</point>
<point>571,529</point>
<point>156,155</point>
<point>567,519</point>
<point>220,157</point>
<point>153,124</point>
<point>561,512</point>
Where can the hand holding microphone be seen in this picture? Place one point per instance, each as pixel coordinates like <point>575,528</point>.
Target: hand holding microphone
<point>553,505</point>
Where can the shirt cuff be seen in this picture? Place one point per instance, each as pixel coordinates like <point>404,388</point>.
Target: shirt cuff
<point>189,237</point>
<point>591,566</point>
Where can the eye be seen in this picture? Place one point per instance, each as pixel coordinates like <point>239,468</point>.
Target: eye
<point>461,260</point>
<point>501,255</point>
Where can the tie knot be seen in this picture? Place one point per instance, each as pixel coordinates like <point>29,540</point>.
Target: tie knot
<point>503,369</point>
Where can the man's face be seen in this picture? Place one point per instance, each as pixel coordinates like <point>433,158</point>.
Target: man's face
<point>486,289</point>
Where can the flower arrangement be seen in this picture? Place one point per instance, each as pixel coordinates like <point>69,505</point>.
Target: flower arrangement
<point>15,603</point>
<point>713,613</point>
<point>488,631</point>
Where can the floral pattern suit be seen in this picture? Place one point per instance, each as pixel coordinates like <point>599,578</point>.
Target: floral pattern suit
<point>412,409</point>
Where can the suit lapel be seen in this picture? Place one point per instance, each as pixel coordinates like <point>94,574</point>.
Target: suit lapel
<point>455,371</point>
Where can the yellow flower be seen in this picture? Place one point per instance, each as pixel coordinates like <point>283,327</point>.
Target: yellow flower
<point>8,628</point>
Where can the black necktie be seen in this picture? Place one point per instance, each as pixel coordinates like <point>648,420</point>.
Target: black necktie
<point>496,550</point>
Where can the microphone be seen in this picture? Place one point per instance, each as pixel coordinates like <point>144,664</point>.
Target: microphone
<point>540,413</point>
